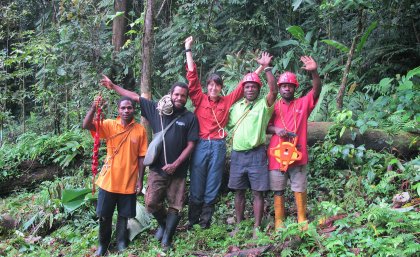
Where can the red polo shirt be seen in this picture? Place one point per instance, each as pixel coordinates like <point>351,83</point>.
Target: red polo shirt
<point>207,111</point>
<point>298,109</point>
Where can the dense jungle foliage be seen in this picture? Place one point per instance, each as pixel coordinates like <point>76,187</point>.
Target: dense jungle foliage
<point>53,53</point>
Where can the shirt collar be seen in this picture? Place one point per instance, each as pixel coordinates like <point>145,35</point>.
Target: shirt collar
<point>118,119</point>
<point>284,102</point>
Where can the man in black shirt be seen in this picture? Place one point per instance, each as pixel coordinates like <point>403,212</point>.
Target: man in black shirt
<point>166,179</point>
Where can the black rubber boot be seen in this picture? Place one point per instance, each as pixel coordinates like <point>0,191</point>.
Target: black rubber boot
<point>171,223</point>
<point>160,217</point>
<point>194,212</point>
<point>105,230</point>
<point>206,215</point>
<point>122,233</point>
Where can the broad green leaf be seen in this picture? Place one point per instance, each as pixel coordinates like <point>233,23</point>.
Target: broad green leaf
<point>296,4</point>
<point>308,37</point>
<point>372,123</point>
<point>73,194</point>
<point>385,84</point>
<point>297,32</point>
<point>343,129</point>
<point>286,60</point>
<point>413,72</point>
<point>336,44</point>
<point>365,36</point>
<point>407,85</point>
<point>74,198</point>
<point>362,129</point>
<point>30,222</point>
<point>73,205</point>
<point>286,43</point>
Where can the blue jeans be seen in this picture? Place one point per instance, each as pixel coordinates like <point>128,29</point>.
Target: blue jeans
<point>207,166</point>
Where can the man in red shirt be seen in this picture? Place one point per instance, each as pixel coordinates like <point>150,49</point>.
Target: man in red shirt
<point>208,158</point>
<point>290,119</point>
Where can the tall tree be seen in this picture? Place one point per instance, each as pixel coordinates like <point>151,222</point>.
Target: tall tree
<point>119,25</point>
<point>146,55</point>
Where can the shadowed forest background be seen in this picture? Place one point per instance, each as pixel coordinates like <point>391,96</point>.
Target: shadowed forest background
<point>364,140</point>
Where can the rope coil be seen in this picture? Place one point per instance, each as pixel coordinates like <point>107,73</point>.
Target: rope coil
<point>165,107</point>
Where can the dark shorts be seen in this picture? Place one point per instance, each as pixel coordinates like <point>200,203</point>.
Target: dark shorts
<point>126,204</point>
<point>161,188</point>
<point>248,169</point>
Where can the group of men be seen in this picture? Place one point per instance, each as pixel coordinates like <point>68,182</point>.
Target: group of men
<point>250,119</point>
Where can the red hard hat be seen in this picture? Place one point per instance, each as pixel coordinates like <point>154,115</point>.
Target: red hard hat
<point>288,78</point>
<point>252,77</point>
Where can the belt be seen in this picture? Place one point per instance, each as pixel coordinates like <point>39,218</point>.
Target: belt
<point>212,139</point>
<point>251,150</point>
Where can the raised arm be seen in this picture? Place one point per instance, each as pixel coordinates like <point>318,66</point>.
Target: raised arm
<point>188,53</point>
<point>106,82</point>
<point>310,65</point>
<point>264,61</point>
<point>88,120</point>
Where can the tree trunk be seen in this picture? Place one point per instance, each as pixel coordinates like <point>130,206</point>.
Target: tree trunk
<point>375,139</point>
<point>343,84</point>
<point>146,55</point>
<point>119,25</point>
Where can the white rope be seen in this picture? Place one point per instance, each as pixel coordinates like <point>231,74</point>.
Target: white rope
<point>165,107</point>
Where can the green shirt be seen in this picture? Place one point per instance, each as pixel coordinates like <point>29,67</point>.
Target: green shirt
<point>249,122</point>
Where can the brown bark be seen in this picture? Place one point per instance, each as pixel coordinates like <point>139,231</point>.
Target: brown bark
<point>119,25</point>
<point>343,84</point>
<point>146,56</point>
<point>374,139</point>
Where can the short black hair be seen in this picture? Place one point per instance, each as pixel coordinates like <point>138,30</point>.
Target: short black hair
<point>126,98</point>
<point>179,84</point>
<point>216,78</point>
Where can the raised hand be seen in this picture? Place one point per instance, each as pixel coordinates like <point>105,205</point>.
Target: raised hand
<point>189,42</point>
<point>309,63</point>
<point>265,59</point>
<point>106,82</point>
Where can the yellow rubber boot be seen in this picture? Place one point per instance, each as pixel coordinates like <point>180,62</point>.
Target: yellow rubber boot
<point>300,198</point>
<point>279,211</point>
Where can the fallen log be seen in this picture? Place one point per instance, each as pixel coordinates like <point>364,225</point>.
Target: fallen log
<point>32,174</point>
<point>403,144</point>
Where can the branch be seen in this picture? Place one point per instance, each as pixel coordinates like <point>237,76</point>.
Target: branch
<point>342,89</point>
<point>160,9</point>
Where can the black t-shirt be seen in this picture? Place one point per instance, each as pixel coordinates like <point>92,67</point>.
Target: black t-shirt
<point>176,137</point>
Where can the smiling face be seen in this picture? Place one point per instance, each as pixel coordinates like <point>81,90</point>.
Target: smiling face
<point>251,91</point>
<point>126,111</point>
<point>213,90</point>
<point>179,97</point>
<point>287,91</point>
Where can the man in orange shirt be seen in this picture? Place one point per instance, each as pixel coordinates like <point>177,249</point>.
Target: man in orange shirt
<point>121,176</point>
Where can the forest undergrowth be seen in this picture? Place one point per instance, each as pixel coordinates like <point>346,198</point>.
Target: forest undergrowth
<point>352,211</point>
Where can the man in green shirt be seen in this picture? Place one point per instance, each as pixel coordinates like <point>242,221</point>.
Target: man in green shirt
<point>249,119</point>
